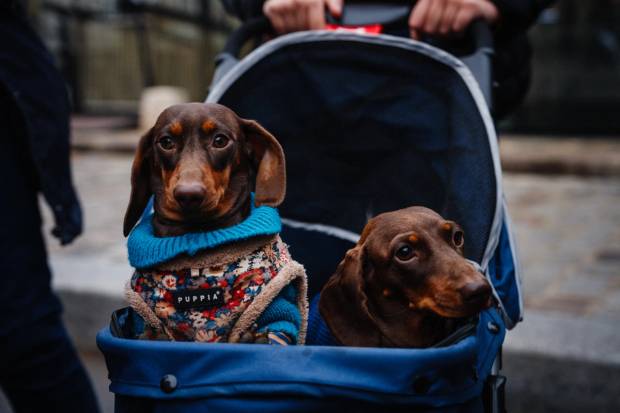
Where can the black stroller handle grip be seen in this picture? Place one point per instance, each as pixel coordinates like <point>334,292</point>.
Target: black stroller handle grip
<point>357,14</point>
<point>364,13</point>
<point>481,35</point>
<point>251,28</point>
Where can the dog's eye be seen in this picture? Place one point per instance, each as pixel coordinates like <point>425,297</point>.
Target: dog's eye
<point>166,143</point>
<point>405,252</point>
<point>220,141</point>
<point>458,238</point>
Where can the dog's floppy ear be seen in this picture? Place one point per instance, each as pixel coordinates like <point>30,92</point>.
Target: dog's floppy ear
<point>344,304</point>
<point>269,158</point>
<point>141,189</point>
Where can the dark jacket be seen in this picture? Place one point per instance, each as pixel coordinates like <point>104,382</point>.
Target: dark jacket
<point>513,55</point>
<point>29,78</point>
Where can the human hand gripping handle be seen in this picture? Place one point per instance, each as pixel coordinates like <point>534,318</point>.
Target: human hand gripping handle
<point>445,17</point>
<point>288,16</point>
<point>433,17</point>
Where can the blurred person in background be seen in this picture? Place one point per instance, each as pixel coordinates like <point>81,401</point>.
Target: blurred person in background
<point>509,19</point>
<point>39,368</point>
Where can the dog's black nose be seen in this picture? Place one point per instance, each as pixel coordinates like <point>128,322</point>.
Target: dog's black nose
<point>189,196</point>
<point>476,292</point>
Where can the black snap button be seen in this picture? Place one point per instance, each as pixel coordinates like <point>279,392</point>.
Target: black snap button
<point>493,327</point>
<point>168,383</point>
<point>421,385</point>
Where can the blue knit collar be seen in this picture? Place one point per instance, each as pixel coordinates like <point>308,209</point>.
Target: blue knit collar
<point>146,250</point>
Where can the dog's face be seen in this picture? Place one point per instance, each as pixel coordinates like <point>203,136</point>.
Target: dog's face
<point>418,255</point>
<point>201,161</point>
<point>409,263</point>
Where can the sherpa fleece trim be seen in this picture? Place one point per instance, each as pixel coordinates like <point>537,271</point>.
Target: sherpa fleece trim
<point>145,250</point>
<point>141,307</point>
<point>220,256</point>
<point>293,272</point>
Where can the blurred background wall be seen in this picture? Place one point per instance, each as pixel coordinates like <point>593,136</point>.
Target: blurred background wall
<point>575,88</point>
<point>576,83</point>
<point>109,50</point>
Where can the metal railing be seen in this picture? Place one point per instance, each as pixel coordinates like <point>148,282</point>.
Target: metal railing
<point>109,50</point>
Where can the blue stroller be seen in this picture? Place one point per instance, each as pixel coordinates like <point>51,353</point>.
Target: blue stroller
<point>369,123</point>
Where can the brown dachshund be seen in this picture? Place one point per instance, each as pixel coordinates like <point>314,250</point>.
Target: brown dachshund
<point>202,161</point>
<point>404,284</point>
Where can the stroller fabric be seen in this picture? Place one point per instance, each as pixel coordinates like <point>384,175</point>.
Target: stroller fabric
<point>302,378</point>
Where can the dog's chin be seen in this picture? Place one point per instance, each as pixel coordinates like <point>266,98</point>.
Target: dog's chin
<point>206,217</point>
<point>192,217</point>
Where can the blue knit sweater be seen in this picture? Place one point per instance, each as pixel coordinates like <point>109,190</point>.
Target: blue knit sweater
<point>146,250</point>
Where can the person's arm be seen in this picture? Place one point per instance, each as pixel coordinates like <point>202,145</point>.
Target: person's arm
<point>518,15</point>
<point>512,69</point>
<point>445,17</point>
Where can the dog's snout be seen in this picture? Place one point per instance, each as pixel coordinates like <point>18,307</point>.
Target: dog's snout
<point>476,292</point>
<point>189,196</point>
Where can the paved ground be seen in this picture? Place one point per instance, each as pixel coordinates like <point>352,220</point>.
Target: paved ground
<point>569,243</point>
<point>569,238</point>
<point>561,155</point>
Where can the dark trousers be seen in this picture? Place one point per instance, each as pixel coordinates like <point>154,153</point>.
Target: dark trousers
<point>39,368</point>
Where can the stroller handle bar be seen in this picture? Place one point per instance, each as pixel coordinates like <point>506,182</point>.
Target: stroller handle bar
<point>362,13</point>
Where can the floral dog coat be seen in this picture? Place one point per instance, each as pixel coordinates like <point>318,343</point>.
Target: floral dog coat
<point>263,291</point>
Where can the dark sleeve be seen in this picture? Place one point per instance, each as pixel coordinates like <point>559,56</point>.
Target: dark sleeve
<point>518,15</point>
<point>512,59</point>
<point>244,9</point>
<point>39,92</point>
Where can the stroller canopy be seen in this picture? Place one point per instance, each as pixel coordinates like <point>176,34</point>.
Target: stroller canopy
<point>371,124</point>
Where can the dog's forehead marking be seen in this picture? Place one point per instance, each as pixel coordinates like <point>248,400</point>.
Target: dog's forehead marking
<point>176,128</point>
<point>421,224</point>
<point>199,116</point>
<point>208,125</point>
